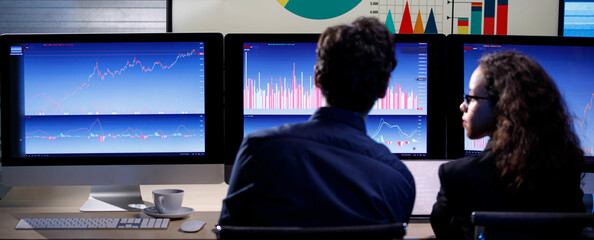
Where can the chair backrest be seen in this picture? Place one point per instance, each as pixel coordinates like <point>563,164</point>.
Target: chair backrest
<point>376,231</point>
<point>530,225</point>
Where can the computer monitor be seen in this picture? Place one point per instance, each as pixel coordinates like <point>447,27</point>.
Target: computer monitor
<point>569,61</point>
<point>113,111</point>
<point>575,18</point>
<point>270,81</point>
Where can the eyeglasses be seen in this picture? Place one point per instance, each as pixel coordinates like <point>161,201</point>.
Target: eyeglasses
<point>468,98</point>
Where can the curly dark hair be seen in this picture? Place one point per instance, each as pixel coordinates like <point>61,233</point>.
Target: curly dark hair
<point>354,64</point>
<point>533,139</point>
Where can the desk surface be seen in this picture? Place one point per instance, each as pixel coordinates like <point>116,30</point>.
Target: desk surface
<point>206,199</point>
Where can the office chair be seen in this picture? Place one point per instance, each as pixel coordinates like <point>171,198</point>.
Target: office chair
<point>532,225</point>
<point>377,231</point>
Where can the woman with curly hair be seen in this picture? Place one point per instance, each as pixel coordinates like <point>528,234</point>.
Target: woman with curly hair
<point>533,161</point>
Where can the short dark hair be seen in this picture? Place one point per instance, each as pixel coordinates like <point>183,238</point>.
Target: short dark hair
<point>354,64</point>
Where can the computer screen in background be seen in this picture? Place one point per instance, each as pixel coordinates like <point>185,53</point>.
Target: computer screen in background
<point>279,88</point>
<point>111,109</point>
<point>569,62</point>
<point>575,18</point>
<point>270,81</point>
<point>91,99</point>
<point>276,73</point>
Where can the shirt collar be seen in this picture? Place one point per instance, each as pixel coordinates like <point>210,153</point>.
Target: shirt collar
<point>340,115</point>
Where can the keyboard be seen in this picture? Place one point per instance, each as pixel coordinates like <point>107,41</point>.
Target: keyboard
<point>93,223</point>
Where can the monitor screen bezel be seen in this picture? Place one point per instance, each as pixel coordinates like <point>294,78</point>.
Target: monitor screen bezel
<point>561,18</point>
<point>213,64</point>
<point>436,144</point>
<point>455,53</point>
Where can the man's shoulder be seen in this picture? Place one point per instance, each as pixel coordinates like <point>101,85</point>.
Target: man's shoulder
<point>320,137</point>
<point>275,138</point>
<point>285,130</point>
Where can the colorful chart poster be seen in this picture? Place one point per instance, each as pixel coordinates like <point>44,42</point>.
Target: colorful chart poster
<point>501,17</point>
<point>315,9</point>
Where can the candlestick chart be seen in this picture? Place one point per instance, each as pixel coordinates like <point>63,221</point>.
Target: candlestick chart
<point>114,98</point>
<point>114,79</point>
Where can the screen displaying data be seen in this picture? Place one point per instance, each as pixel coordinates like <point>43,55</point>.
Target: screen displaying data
<point>136,98</point>
<point>578,20</point>
<point>279,88</point>
<point>571,67</point>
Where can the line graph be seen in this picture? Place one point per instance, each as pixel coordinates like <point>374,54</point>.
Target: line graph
<point>401,134</point>
<point>581,125</point>
<point>129,132</point>
<point>135,133</point>
<point>117,79</point>
<point>386,124</point>
<point>586,109</point>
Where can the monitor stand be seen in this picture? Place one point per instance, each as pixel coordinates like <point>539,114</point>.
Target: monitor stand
<point>114,199</point>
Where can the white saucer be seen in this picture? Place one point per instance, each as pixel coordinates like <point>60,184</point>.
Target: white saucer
<point>153,212</point>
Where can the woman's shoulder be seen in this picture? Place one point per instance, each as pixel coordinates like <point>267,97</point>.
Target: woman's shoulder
<point>482,161</point>
<point>468,170</point>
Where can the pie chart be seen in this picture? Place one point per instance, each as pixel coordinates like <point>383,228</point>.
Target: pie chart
<point>316,9</point>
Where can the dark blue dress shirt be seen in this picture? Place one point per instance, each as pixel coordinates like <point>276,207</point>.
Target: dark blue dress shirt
<point>323,172</point>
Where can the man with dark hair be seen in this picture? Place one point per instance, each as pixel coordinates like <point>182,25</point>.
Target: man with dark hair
<point>327,171</point>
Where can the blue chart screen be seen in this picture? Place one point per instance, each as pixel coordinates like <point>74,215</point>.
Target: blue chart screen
<point>578,20</point>
<point>571,67</point>
<point>95,98</point>
<point>279,88</point>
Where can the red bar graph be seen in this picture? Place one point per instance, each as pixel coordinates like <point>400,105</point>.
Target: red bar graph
<point>287,95</point>
<point>489,26</point>
<point>478,144</point>
<point>397,99</point>
<point>489,21</point>
<point>483,17</point>
<point>502,10</point>
<point>297,95</point>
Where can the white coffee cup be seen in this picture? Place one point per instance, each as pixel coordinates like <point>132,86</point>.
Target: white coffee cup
<point>168,201</point>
